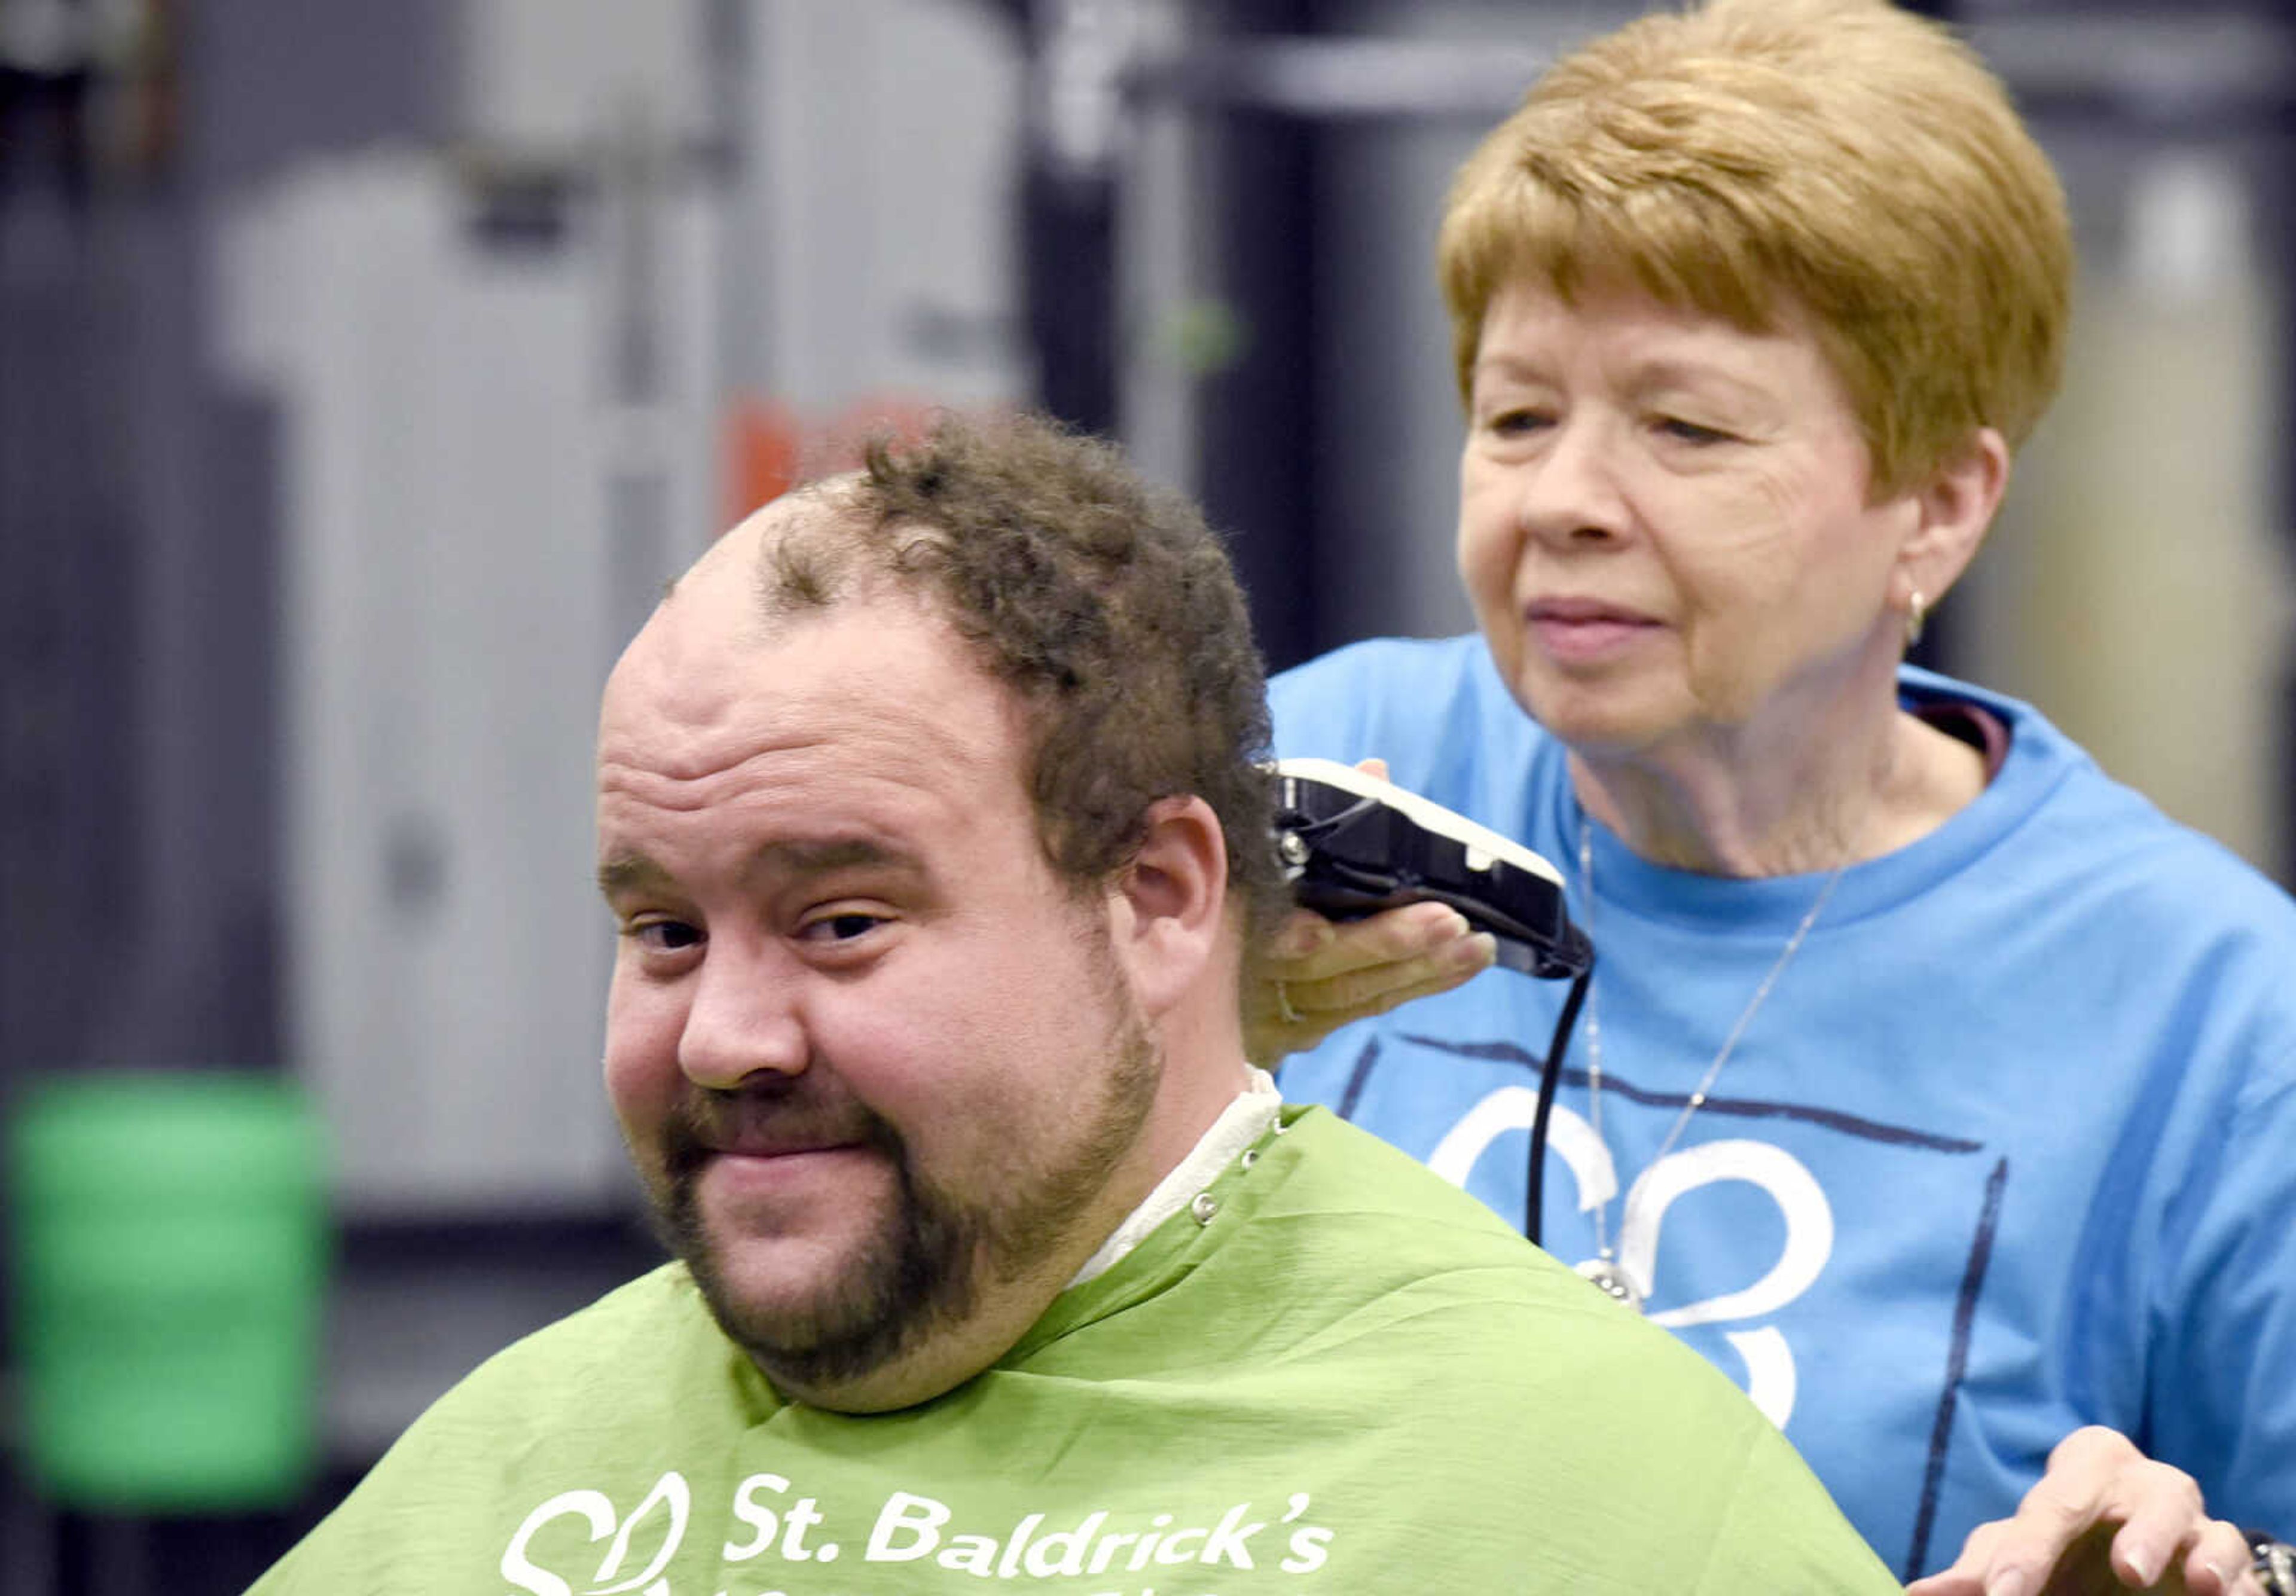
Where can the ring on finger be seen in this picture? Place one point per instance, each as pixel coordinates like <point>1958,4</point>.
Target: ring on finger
<point>1283,1005</point>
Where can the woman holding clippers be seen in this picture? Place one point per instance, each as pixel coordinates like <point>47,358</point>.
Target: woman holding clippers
<point>1934,1085</point>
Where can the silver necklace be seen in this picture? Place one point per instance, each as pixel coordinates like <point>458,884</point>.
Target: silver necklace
<point>1604,1269</point>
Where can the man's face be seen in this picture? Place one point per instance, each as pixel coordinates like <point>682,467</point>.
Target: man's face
<point>874,1060</point>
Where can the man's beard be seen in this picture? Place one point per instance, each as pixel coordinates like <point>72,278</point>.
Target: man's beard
<point>923,1271</point>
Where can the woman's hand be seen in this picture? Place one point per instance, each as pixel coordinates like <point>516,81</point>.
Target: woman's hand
<point>2105,1518</point>
<point>1314,975</point>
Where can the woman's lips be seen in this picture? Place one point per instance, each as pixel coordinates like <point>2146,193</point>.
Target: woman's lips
<point>1583,632</point>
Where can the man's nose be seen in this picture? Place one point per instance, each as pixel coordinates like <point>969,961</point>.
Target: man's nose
<point>745,1019</point>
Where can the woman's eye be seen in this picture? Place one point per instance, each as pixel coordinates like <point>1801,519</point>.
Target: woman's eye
<point>1515,423</point>
<point>1691,431</point>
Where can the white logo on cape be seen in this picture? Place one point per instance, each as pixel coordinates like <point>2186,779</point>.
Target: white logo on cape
<point>1770,1380</point>
<point>907,1528</point>
<point>596,1511</point>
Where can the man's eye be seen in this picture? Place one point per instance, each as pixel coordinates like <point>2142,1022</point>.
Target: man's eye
<point>841,928</point>
<point>666,936</point>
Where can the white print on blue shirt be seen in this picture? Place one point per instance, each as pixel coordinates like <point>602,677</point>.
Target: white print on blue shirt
<point>1802,1204</point>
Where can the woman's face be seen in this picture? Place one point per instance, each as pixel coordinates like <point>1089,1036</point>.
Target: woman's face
<point>1663,523</point>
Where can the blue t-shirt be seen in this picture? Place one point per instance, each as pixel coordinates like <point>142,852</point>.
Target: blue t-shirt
<point>2009,1148</point>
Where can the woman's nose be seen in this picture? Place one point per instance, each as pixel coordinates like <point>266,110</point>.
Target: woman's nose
<point>1571,489</point>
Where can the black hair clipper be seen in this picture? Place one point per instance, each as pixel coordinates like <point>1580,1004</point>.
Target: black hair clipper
<point>1353,845</point>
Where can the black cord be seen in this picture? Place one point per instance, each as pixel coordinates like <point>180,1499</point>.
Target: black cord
<point>1548,1075</point>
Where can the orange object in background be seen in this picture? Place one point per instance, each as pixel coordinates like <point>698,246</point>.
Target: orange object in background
<point>770,448</point>
<point>764,446</point>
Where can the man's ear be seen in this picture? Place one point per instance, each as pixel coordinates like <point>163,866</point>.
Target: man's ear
<point>1167,908</point>
<point>1955,506</point>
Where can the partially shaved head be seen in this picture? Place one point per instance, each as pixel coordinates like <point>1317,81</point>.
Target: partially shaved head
<point>1106,605</point>
<point>921,800</point>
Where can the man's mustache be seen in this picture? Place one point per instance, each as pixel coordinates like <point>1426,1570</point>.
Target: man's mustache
<point>776,1115</point>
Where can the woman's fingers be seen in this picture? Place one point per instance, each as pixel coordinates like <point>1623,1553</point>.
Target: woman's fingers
<point>2103,1517</point>
<point>1316,975</point>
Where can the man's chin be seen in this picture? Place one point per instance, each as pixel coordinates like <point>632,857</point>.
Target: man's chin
<point>818,1307</point>
<point>787,1289</point>
<point>786,1286</point>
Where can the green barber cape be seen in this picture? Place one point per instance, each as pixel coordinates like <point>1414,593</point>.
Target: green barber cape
<point>1332,1373</point>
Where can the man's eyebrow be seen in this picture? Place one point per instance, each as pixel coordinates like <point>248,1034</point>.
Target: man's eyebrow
<point>817,858</point>
<point>635,872</point>
<point>627,873</point>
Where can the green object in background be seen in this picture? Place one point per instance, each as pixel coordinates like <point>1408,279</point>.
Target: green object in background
<point>171,1240</point>
<point>1205,336</point>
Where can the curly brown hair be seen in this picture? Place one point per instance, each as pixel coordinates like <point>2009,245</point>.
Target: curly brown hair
<point>1105,603</point>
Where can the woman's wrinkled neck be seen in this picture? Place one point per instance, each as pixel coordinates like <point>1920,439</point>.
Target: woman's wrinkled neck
<point>1784,799</point>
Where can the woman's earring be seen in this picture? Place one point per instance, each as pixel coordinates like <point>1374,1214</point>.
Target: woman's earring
<point>1917,610</point>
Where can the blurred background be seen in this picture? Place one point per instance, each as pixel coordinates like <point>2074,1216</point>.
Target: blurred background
<point>365,369</point>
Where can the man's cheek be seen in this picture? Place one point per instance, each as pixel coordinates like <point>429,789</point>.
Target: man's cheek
<point>644,1084</point>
